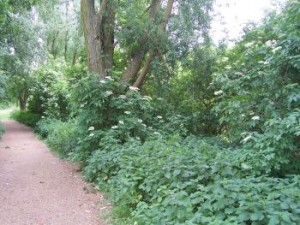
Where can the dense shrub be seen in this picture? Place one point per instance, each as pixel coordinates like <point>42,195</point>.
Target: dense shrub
<point>191,181</point>
<point>259,91</point>
<point>60,136</point>
<point>1,130</point>
<point>49,92</point>
<point>259,200</point>
<point>106,109</point>
<point>26,117</point>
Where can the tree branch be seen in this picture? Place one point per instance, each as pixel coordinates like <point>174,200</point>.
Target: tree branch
<point>145,70</point>
<point>102,9</point>
<point>137,59</point>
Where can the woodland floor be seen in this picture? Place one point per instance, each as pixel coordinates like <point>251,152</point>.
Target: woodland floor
<point>38,188</point>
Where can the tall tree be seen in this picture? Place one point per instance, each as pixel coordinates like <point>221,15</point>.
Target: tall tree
<point>140,29</point>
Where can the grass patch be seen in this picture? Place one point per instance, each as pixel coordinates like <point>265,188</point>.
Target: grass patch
<point>6,113</point>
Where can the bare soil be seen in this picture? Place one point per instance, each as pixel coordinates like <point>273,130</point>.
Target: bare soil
<point>38,188</point>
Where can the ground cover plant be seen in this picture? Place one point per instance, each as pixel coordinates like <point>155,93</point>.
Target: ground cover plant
<point>1,130</point>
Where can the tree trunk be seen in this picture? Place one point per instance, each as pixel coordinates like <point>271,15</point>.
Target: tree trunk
<point>99,35</point>
<point>147,66</point>
<point>99,31</point>
<point>74,57</point>
<point>23,101</point>
<point>138,57</point>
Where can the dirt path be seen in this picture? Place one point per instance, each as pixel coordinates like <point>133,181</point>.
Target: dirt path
<point>37,188</point>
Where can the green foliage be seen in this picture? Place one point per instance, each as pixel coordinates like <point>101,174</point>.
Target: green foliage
<point>26,117</point>
<point>2,130</point>
<point>189,91</point>
<point>108,110</point>
<point>236,201</point>
<point>60,136</point>
<point>3,87</point>
<point>259,91</point>
<point>191,181</point>
<point>49,92</point>
<point>140,149</point>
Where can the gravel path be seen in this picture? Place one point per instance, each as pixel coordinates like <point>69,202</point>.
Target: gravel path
<point>37,188</point>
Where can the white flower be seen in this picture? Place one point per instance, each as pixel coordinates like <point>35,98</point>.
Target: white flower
<point>227,67</point>
<point>114,127</point>
<point>260,73</point>
<point>159,117</point>
<point>220,92</point>
<point>225,59</point>
<point>91,128</point>
<point>122,96</point>
<point>255,118</point>
<point>261,62</point>
<point>82,105</point>
<point>238,73</point>
<point>133,88</point>
<point>140,121</point>
<point>271,43</point>
<point>91,134</point>
<point>245,166</point>
<point>247,138</point>
<point>268,43</point>
<point>148,98</point>
<point>103,81</point>
<point>109,78</point>
<point>276,49</point>
<point>121,122</point>
<point>249,44</point>
<point>127,112</point>
<point>108,93</point>
<point>156,133</point>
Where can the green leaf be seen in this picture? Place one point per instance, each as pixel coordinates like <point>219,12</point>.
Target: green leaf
<point>244,216</point>
<point>256,216</point>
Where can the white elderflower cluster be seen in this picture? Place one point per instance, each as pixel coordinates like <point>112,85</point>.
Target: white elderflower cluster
<point>220,92</point>
<point>108,93</point>
<point>133,88</point>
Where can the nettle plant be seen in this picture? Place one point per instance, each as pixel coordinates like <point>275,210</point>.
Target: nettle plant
<point>110,112</point>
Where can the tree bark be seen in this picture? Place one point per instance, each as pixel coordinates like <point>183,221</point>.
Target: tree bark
<point>99,31</point>
<point>138,57</point>
<point>23,101</point>
<point>145,70</point>
<point>108,29</point>
<point>92,39</point>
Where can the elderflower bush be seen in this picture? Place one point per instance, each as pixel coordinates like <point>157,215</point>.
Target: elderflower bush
<point>260,101</point>
<point>116,112</point>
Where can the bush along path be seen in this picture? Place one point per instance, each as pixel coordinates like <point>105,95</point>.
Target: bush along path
<point>39,188</point>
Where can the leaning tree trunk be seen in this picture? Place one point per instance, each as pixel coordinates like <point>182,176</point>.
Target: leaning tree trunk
<point>99,28</point>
